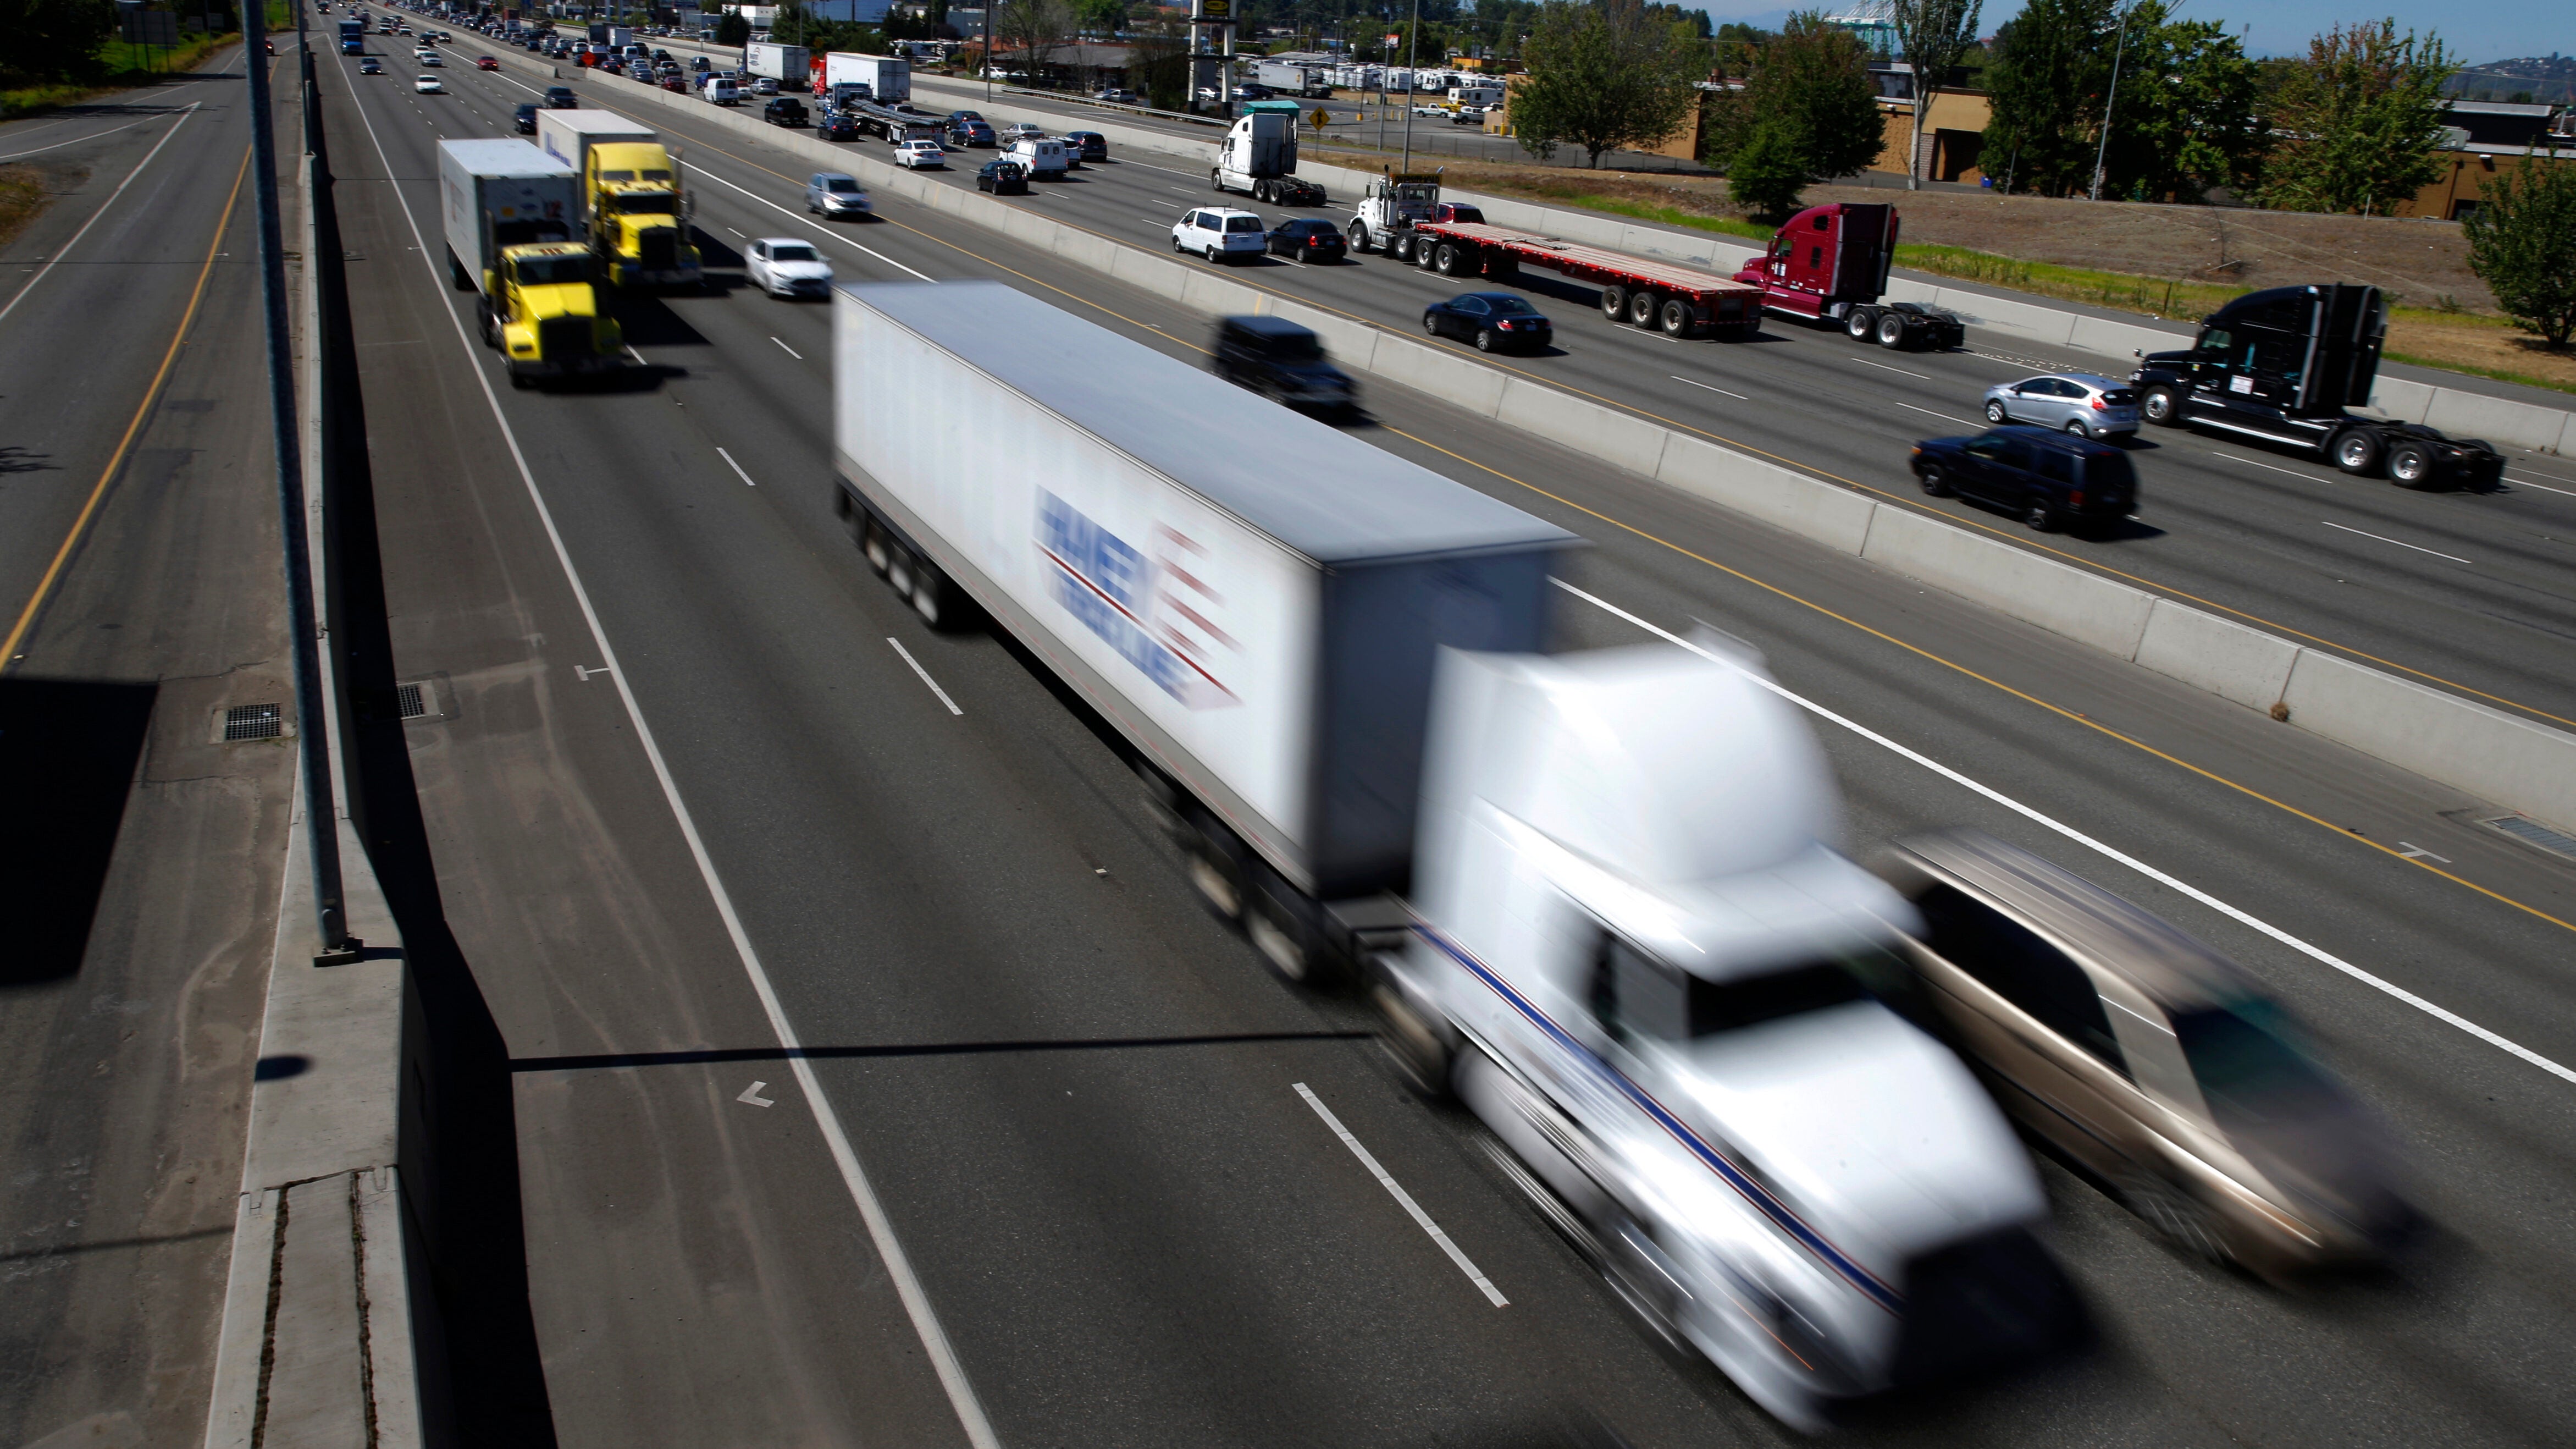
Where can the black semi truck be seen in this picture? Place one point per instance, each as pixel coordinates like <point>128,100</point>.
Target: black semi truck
<point>2283,365</point>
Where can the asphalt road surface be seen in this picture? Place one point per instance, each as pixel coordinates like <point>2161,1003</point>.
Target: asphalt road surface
<point>726,789</point>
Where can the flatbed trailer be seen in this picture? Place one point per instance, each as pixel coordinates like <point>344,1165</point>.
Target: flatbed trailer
<point>1680,301</point>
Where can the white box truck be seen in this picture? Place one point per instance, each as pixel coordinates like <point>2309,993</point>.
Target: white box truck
<point>785,64</point>
<point>1629,946</point>
<point>887,77</point>
<point>1292,80</point>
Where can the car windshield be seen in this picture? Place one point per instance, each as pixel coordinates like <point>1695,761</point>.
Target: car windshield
<point>553,271</point>
<point>1243,223</point>
<point>842,183</point>
<point>1510,306</point>
<point>2248,1075</point>
<point>793,252</point>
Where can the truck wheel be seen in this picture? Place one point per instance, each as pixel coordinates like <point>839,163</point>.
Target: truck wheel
<point>2410,465</point>
<point>935,598</point>
<point>1216,180</point>
<point>1642,308</point>
<point>2356,451</point>
<point>1859,321</point>
<point>1422,1055</point>
<point>874,544</point>
<point>1891,330</point>
<point>1400,246</point>
<point>1677,319</point>
<point>1288,943</point>
<point>1426,256</point>
<point>521,380</point>
<point>1614,302</point>
<point>2160,408</point>
<point>1359,237</point>
<point>1216,874</point>
<point>1445,259</point>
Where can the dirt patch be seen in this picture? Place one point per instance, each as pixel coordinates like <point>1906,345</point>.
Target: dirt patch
<point>26,189</point>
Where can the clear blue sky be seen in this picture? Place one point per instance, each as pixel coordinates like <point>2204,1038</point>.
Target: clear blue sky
<point>2480,31</point>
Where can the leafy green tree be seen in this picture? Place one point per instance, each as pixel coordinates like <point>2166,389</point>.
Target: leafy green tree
<point>1807,113</point>
<point>2045,87</point>
<point>2189,115</point>
<point>2358,121</point>
<point>2522,244</point>
<point>1158,66</point>
<point>1606,74</point>
<point>54,40</point>
<point>1933,34</point>
<point>733,29</point>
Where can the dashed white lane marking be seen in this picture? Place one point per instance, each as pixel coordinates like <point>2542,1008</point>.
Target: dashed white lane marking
<point>1927,412</point>
<point>2383,538</point>
<point>1739,397</point>
<point>2274,467</point>
<point>801,221</point>
<point>1883,367</point>
<point>2543,487</point>
<point>925,675</point>
<point>1421,1219</point>
<point>790,351</point>
<point>728,457</point>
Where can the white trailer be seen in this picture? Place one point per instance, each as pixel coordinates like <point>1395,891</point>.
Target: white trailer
<point>502,193</point>
<point>785,64</point>
<point>567,136</point>
<point>1259,149</point>
<point>887,77</point>
<point>1262,635</point>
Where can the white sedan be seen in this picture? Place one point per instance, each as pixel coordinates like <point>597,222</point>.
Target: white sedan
<point>428,85</point>
<point>784,266</point>
<point>917,154</point>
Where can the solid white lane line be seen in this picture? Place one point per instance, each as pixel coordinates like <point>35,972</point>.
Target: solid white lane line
<point>1739,397</point>
<point>1883,367</point>
<point>854,1178</point>
<point>1420,1218</point>
<point>801,221</point>
<point>737,467</point>
<point>1927,412</point>
<point>790,351</point>
<point>925,675</point>
<point>2383,538</point>
<point>2316,953</point>
<point>66,248</point>
<point>2543,487</point>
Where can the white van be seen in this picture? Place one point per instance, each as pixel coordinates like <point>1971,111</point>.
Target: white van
<point>1043,156</point>
<point>719,90</point>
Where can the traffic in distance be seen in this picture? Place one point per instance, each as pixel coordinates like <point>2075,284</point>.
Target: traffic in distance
<point>1780,1089</point>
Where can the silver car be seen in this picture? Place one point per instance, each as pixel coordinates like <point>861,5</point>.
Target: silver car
<point>835,193</point>
<point>2074,402</point>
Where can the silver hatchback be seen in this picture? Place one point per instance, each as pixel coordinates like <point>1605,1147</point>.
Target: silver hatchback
<point>2074,402</point>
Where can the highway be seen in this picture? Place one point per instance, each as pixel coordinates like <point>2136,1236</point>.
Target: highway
<point>139,576</point>
<point>699,785</point>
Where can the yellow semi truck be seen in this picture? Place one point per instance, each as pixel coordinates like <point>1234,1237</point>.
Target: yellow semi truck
<point>511,218</point>
<point>634,210</point>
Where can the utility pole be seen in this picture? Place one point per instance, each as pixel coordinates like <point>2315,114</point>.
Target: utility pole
<point>2102,152</point>
<point>312,731</point>
<point>1412,63</point>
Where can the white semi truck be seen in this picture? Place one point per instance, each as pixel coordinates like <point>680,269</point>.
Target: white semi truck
<point>1259,156</point>
<point>1595,894</point>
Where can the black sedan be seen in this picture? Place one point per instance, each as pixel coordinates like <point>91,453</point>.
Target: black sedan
<point>1306,239</point>
<point>1494,321</point>
<point>525,119</point>
<point>1002,178</point>
<point>837,126</point>
<point>562,98</point>
<point>2050,480</point>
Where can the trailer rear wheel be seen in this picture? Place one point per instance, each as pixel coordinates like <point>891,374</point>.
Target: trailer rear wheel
<point>1216,875</point>
<point>1642,308</point>
<point>1426,255</point>
<point>1614,302</point>
<point>874,544</point>
<point>1677,318</point>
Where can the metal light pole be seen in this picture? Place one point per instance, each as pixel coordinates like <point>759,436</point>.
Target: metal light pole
<point>2103,151</point>
<point>313,738</point>
<point>1412,64</point>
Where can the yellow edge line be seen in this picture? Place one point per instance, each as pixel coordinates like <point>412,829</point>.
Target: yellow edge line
<point>2059,710</point>
<point>2023,695</point>
<point>80,525</point>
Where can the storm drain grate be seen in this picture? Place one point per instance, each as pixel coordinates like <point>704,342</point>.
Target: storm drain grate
<point>407,699</point>
<point>253,722</point>
<point>2532,832</point>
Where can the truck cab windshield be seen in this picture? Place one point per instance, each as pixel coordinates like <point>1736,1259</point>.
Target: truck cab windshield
<point>1635,995</point>
<point>552,271</point>
<point>649,203</point>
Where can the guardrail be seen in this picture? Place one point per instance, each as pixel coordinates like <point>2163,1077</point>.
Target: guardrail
<point>2443,737</point>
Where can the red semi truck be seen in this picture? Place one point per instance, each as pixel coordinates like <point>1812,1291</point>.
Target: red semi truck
<point>1405,215</point>
<point>1829,264</point>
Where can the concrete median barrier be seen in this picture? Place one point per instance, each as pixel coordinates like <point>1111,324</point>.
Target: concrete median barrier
<point>2060,598</point>
<point>2485,752</point>
<point>1826,513</point>
<point>2207,652</point>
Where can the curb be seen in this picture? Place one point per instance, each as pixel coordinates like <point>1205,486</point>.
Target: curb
<point>2447,739</point>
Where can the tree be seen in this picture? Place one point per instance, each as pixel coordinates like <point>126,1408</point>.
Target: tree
<point>1034,28</point>
<point>2522,244</point>
<point>2357,121</point>
<point>1104,18</point>
<point>1158,66</point>
<point>1933,34</point>
<point>54,40</point>
<point>1807,113</point>
<point>2189,117</point>
<point>733,29</point>
<point>2052,67</point>
<point>1606,74</point>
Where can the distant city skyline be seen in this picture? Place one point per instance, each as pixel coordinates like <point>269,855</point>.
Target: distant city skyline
<point>2503,30</point>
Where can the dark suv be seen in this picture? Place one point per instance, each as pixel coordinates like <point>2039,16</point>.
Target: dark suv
<point>562,98</point>
<point>2050,480</point>
<point>1281,361</point>
<point>525,119</point>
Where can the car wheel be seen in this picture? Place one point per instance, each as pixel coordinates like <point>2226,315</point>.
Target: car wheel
<point>1430,324</point>
<point>2410,465</point>
<point>1858,322</point>
<point>1485,339</point>
<point>2176,1215</point>
<point>1891,330</point>
<point>2356,451</point>
<point>1614,302</point>
<point>2159,406</point>
<point>2076,426</point>
<point>1935,481</point>
<point>2041,518</point>
<point>1995,411</point>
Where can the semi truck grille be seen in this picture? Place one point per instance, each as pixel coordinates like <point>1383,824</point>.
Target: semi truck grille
<point>562,339</point>
<point>660,249</point>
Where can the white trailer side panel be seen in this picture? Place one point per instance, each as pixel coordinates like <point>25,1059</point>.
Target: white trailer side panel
<point>524,192</point>
<point>567,136</point>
